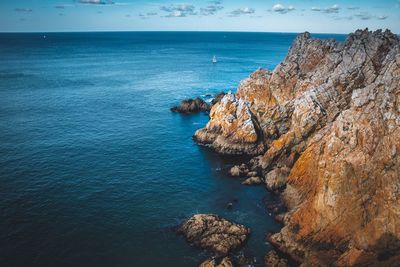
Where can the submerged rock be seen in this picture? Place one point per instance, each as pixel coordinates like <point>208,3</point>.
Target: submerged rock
<point>216,234</point>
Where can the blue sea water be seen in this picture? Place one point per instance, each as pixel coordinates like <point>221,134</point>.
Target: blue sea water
<point>94,168</point>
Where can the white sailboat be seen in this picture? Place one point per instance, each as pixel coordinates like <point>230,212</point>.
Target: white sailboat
<point>214,60</point>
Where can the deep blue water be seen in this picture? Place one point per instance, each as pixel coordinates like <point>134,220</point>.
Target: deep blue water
<point>94,169</point>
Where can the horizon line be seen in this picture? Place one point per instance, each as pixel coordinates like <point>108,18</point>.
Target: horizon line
<point>216,31</point>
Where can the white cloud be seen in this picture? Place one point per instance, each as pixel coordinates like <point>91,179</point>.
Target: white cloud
<point>328,10</point>
<point>180,10</point>
<point>242,11</point>
<point>282,9</point>
<point>211,9</point>
<point>363,15</point>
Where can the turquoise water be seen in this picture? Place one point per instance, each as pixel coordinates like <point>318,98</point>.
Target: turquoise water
<point>94,169</point>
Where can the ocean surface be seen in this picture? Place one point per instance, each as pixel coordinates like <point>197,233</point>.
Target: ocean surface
<point>94,168</point>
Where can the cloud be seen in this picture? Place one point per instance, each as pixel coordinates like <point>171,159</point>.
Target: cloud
<point>97,2</point>
<point>147,15</point>
<point>242,11</point>
<point>328,10</point>
<point>353,8</point>
<point>367,16</point>
<point>211,9</point>
<point>282,9</point>
<point>344,18</point>
<point>176,11</point>
<point>23,10</point>
<point>363,16</point>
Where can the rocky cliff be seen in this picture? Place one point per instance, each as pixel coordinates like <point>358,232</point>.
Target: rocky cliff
<point>327,120</point>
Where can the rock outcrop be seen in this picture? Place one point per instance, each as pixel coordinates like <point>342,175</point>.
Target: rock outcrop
<point>324,127</point>
<point>197,105</point>
<point>225,262</point>
<point>191,106</point>
<point>216,234</point>
<point>272,259</point>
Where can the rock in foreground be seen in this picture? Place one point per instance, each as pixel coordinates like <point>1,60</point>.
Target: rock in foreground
<point>216,234</point>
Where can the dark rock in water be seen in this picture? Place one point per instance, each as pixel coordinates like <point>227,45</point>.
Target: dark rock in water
<point>191,106</point>
<point>272,259</point>
<point>216,234</point>
<point>196,105</point>
<point>229,206</point>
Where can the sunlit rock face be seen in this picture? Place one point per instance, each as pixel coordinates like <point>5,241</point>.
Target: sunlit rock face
<point>329,114</point>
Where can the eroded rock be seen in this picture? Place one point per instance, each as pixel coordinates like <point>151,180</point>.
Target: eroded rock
<point>330,113</point>
<point>216,234</point>
<point>254,180</point>
<point>225,262</point>
<point>272,259</point>
<point>277,178</point>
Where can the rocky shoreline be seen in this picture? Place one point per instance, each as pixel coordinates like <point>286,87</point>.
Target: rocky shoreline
<point>323,129</point>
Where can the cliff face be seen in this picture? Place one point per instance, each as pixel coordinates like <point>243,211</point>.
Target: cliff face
<point>329,113</point>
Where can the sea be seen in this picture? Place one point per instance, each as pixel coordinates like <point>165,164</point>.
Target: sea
<point>94,168</point>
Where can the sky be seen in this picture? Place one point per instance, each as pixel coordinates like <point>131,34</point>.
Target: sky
<point>318,16</point>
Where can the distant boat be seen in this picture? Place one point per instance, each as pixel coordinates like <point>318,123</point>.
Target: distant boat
<point>44,36</point>
<point>214,60</point>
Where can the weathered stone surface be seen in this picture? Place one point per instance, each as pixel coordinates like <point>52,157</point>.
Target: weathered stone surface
<point>276,179</point>
<point>216,234</point>
<point>240,170</point>
<point>254,180</point>
<point>225,262</point>
<point>235,171</point>
<point>330,112</point>
<point>272,259</point>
